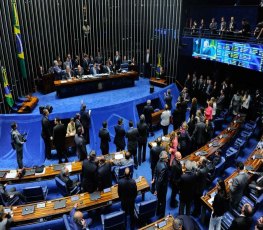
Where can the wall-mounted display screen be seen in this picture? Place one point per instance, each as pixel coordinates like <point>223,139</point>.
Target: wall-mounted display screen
<point>234,53</point>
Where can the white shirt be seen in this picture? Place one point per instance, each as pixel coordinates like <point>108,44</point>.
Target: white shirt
<point>147,58</point>
<point>214,109</point>
<point>246,102</point>
<point>165,118</point>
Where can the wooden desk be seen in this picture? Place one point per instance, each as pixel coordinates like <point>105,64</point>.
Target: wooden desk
<point>158,82</point>
<point>29,105</point>
<point>48,173</point>
<point>169,224</point>
<point>256,164</point>
<point>84,202</point>
<point>75,87</point>
<point>156,117</point>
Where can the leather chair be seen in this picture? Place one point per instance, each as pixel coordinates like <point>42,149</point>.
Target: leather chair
<point>145,209</point>
<point>245,135</point>
<point>35,193</point>
<point>6,201</point>
<point>231,155</point>
<point>220,167</point>
<point>61,185</point>
<point>120,173</point>
<point>239,143</point>
<point>251,125</point>
<point>227,221</point>
<point>114,220</point>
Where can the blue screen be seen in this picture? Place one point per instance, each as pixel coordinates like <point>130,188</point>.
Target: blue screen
<point>233,53</point>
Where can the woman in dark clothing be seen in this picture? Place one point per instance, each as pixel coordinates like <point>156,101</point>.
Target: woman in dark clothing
<point>209,130</point>
<point>219,206</point>
<point>184,140</point>
<point>177,116</point>
<point>193,107</point>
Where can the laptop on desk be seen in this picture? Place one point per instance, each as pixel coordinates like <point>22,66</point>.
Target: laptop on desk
<point>28,210</point>
<point>60,204</point>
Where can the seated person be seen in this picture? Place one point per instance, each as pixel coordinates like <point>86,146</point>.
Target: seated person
<point>127,160</point>
<point>5,219</point>
<point>94,69</point>
<point>107,68</point>
<point>76,219</point>
<point>10,193</point>
<point>64,176</point>
<point>184,222</point>
<point>69,74</point>
<point>216,157</point>
<point>71,128</point>
<point>244,221</point>
<point>259,224</point>
<point>79,72</point>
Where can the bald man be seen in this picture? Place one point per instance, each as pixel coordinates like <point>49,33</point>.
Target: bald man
<point>176,172</point>
<point>76,219</point>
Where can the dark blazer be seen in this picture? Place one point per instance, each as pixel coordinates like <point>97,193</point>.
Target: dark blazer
<point>85,118</point>
<point>77,124</point>
<point>104,176</point>
<point>220,204</point>
<point>199,133</point>
<point>46,128</point>
<point>143,132</point>
<point>176,172</point>
<point>66,76</point>
<point>117,62</point>
<point>188,222</point>
<point>119,139</point>
<point>184,140</point>
<point>66,179</point>
<point>127,191</point>
<point>154,155</point>
<point>147,111</point>
<point>187,186</point>
<point>59,135</point>
<point>80,147</point>
<point>132,135</point>
<point>161,176</point>
<point>104,136</point>
<point>241,223</point>
<point>177,118</point>
<point>89,176</point>
<point>201,174</point>
<point>168,100</point>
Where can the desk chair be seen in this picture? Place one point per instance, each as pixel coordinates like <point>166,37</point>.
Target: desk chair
<point>145,209</point>
<point>114,220</point>
<point>63,189</point>
<point>120,173</point>
<point>35,193</point>
<point>227,221</point>
<point>7,201</point>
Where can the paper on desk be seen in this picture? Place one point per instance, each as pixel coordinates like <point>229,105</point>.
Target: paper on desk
<point>69,167</point>
<point>118,156</point>
<point>11,174</point>
<point>211,200</point>
<point>154,144</point>
<point>63,81</point>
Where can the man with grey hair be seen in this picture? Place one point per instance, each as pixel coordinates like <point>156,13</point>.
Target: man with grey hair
<point>147,111</point>
<point>187,189</point>
<point>69,73</point>
<point>58,72</point>
<point>142,140</point>
<point>160,179</point>
<point>177,224</point>
<point>64,176</point>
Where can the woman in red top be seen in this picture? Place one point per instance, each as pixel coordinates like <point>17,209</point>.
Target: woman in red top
<point>209,111</point>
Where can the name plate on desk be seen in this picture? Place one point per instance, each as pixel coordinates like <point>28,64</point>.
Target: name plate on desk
<point>162,224</point>
<point>58,167</point>
<point>106,190</point>
<point>30,172</point>
<point>95,196</point>
<point>41,205</point>
<point>75,198</point>
<point>257,156</point>
<point>28,210</point>
<point>201,153</point>
<point>60,204</point>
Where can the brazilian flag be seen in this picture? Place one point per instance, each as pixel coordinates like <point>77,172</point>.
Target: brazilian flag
<point>159,64</point>
<point>19,45</point>
<point>8,96</point>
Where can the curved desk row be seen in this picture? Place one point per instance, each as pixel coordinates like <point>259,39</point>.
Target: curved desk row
<point>46,209</point>
<point>164,223</point>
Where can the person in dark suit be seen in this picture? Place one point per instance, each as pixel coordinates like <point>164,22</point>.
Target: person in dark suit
<point>142,140</point>
<point>99,59</point>
<point>237,185</point>
<point>201,176</point>
<point>78,122</point>
<point>244,221</point>
<point>17,142</point>
<point>119,139</point>
<point>90,174</point>
<point>58,72</point>
<point>85,121</point>
<point>176,173</point>
<point>199,134</point>
<point>80,145</point>
<point>104,136</point>
<point>168,97</point>
<point>155,153</point>
<point>104,174</point>
<point>147,64</point>
<point>79,72</point>
<point>177,116</point>
<point>184,222</point>
<point>59,137</point>
<point>187,189</point>
<point>161,183</point>
<point>77,222</point>
<point>147,111</point>
<point>117,61</point>
<point>94,70</point>
<point>46,133</point>
<point>69,74</point>
<point>64,176</point>
<point>85,63</point>
<point>132,135</point>
<point>127,191</point>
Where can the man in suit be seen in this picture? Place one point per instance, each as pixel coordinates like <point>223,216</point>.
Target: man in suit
<point>58,72</point>
<point>17,142</point>
<point>85,63</point>
<point>176,173</point>
<point>59,136</point>
<point>80,145</point>
<point>79,72</point>
<point>46,133</point>
<point>68,62</point>
<point>76,219</point>
<point>117,61</point>
<point>142,140</point>
<point>168,99</point>
<point>104,174</point>
<point>104,136</point>
<point>99,59</point>
<point>201,177</point>
<point>127,191</point>
<point>94,70</point>
<point>161,183</point>
<point>187,189</point>
<point>119,139</point>
<point>127,160</point>
<point>147,111</point>
<point>147,64</point>
<point>85,121</point>
<point>184,222</point>
<point>199,134</point>
<point>132,135</point>
<point>64,176</point>
<point>90,174</point>
<point>244,221</point>
<point>69,74</point>
<point>238,185</point>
